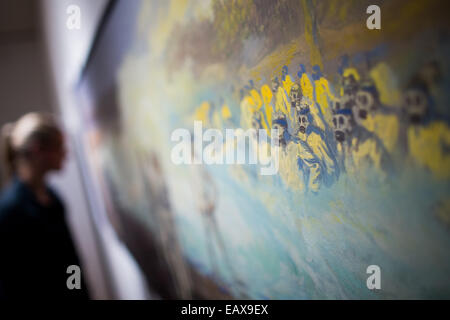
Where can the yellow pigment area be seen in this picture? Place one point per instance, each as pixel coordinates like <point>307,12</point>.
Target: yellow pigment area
<point>287,84</point>
<point>307,87</point>
<point>426,147</point>
<point>288,168</point>
<point>386,84</point>
<point>385,127</point>
<point>226,112</point>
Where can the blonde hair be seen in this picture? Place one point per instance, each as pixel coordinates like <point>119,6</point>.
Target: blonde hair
<point>18,137</point>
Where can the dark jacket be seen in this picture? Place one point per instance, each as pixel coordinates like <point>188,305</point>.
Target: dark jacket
<point>36,247</point>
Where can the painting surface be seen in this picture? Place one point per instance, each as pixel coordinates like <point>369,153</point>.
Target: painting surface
<point>364,161</point>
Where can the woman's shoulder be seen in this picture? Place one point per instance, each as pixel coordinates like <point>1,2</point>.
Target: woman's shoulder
<point>11,194</point>
<point>11,200</point>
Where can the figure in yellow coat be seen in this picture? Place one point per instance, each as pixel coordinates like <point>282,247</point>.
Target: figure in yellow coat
<point>258,112</point>
<point>316,158</point>
<point>305,83</point>
<point>349,89</point>
<point>286,80</point>
<point>358,148</point>
<point>226,114</point>
<point>323,94</point>
<point>203,113</point>
<point>282,103</point>
<point>296,105</point>
<point>428,141</point>
<point>289,171</point>
<point>375,117</point>
<point>308,100</point>
<point>343,126</point>
<point>268,109</point>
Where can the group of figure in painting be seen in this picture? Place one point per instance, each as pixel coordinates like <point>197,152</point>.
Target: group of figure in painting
<point>325,132</point>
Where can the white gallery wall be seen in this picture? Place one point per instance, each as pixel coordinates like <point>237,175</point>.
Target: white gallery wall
<point>24,85</point>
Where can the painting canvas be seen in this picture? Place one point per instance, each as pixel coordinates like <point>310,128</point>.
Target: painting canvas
<point>362,118</point>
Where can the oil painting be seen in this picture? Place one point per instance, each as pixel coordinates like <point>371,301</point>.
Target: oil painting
<point>362,118</point>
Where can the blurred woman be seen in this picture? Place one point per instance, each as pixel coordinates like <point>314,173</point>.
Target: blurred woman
<point>36,247</point>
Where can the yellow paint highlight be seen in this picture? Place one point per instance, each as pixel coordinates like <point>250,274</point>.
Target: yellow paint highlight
<point>316,149</point>
<point>315,113</point>
<point>267,96</point>
<point>282,103</point>
<point>257,100</point>
<point>351,72</point>
<point>386,85</point>
<point>226,112</point>
<point>307,87</point>
<point>425,146</point>
<point>308,160</point>
<point>288,168</point>
<point>323,96</point>
<point>287,84</point>
<point>202,113</point>
<point>264,122</point>
<point>321,151</point>
<point>365,155</point>
<point>385,127</point>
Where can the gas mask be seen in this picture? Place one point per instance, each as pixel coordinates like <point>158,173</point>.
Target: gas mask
<point>366,101</point>
<point>303,123</point>
<point>342,123</point>
<point>415,103</point>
